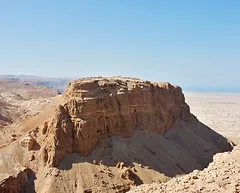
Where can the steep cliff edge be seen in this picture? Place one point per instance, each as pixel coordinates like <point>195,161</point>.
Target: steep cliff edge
<point>108,134</point>
<point>100,108</point>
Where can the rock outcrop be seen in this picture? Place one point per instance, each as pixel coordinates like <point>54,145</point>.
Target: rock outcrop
<point>98,108</point>
<point>19,183</point>
<point>28,142</point>
<point>222,175</point>
<point>108,134</point>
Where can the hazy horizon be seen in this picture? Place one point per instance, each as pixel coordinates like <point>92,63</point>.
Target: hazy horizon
<point>194,44</point>
<point>185,88</point>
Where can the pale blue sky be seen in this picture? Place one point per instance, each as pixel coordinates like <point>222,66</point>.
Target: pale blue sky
<point>193,43</point>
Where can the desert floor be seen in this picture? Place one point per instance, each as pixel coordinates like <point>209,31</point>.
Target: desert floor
<point>221,112</point>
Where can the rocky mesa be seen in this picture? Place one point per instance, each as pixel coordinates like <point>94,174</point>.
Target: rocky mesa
<point>109,134</point>
<point>100,108</point>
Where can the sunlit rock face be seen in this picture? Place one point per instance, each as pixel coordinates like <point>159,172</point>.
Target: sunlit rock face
<point>95,108</point>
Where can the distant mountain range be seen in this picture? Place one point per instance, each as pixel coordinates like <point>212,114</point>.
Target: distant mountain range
<point>58,84</point>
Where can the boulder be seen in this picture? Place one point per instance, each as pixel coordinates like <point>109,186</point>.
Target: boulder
<point>28,142</point>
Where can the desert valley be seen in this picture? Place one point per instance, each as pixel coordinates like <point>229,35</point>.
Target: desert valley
<point>220,111</point>
<point>117,135</point>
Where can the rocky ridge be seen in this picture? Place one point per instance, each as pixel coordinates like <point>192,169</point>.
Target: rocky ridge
<point>108,134</point>
<point>19,101</point>
<point>58,84</point>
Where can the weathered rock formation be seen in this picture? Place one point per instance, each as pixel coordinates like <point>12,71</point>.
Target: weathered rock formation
<point>222,175</point>
<point>108,134</point>
<point>98,108</point>
<point>28,142</point>
<point>19,183</point>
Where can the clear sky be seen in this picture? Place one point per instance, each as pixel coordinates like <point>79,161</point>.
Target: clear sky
<point>193,43</point>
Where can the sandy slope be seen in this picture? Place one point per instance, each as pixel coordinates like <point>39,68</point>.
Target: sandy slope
<point>222,176</point>
<point>185,147</point>
<point>219,111</point>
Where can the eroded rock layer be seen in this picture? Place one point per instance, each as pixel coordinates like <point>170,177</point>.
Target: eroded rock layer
<point>106,135</point>
<point>98,108</point>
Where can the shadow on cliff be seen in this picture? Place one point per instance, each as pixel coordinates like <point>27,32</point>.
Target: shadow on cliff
<point>30,185</point>
<point>36,146</point>
<point>185,147</point>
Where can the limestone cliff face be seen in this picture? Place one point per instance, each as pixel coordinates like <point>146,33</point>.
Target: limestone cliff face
<point>96,108</point>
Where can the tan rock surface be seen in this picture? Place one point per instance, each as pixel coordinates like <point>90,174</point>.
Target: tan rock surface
<point>222,175</point>
<point>98,108</point>
<point>100,122</point>
<point>28,142</point>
